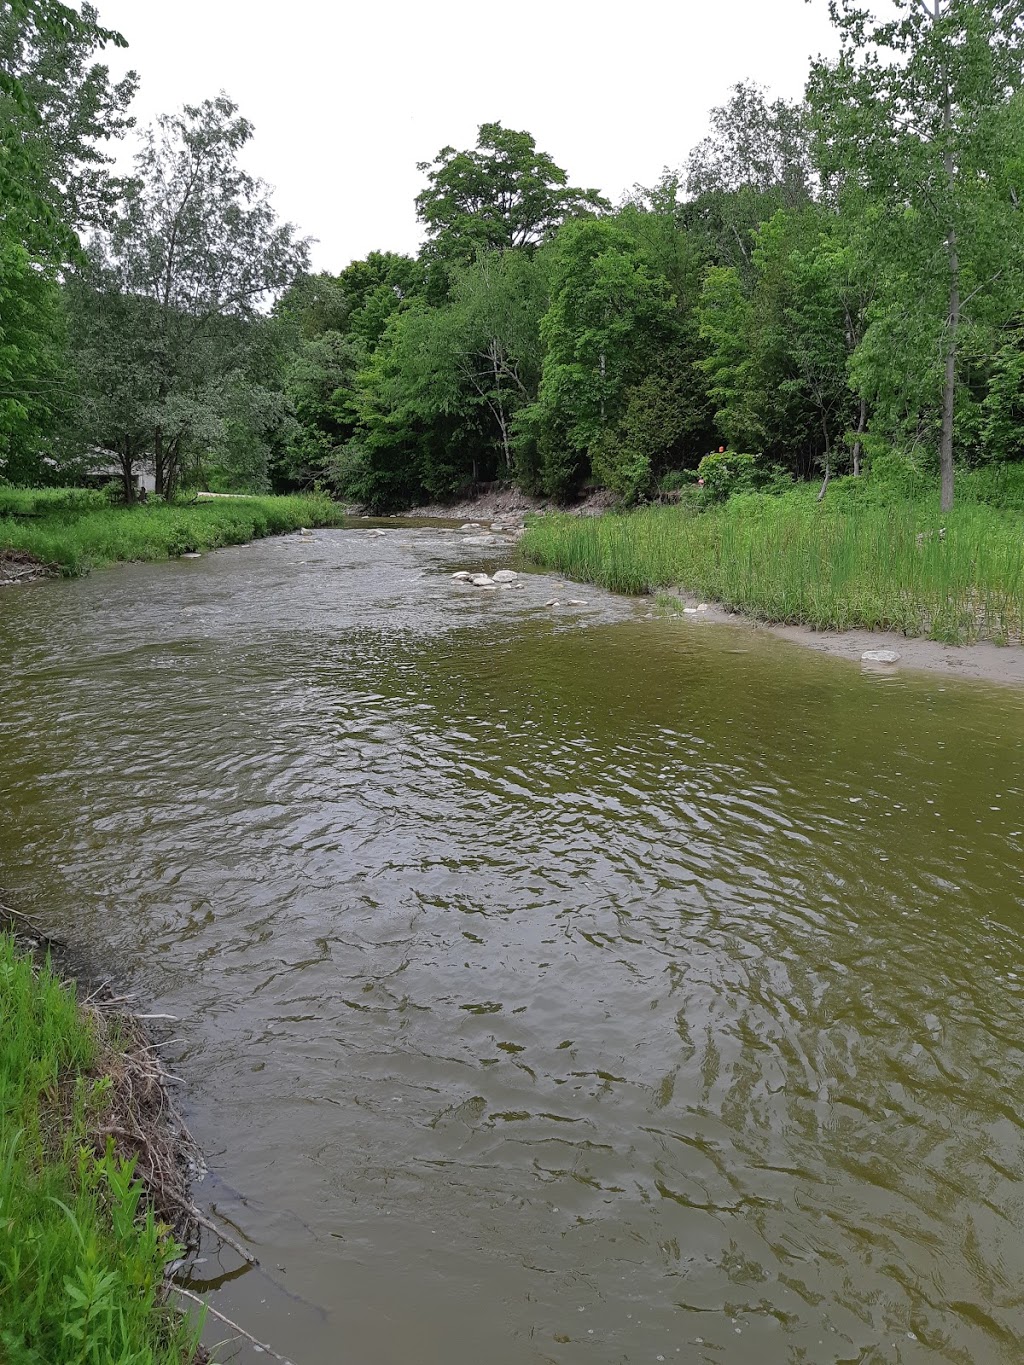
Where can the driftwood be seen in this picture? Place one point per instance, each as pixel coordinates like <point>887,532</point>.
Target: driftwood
<point>262,1345</point>
<point>17,566</point>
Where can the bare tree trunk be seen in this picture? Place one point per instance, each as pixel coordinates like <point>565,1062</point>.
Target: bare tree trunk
<point>171,470</point>
<point>949,378</point>
<point>953,320</point>
<point>862,422</point>
<point>127,460</point>
<point>828,460</point>
<point>499,408</point>
<point>159,471</point>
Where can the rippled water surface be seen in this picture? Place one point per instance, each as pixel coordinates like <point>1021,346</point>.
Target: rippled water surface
<point>556,984</point>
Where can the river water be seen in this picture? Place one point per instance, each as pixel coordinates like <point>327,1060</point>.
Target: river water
<point>556,984</point>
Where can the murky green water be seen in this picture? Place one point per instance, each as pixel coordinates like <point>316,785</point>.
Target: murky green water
<point>556,984</point>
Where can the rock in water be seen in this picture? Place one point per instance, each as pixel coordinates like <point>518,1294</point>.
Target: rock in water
<point>505,575</point>
<point>462,575</point>
<point>880,656</point>
<point>480,580</point>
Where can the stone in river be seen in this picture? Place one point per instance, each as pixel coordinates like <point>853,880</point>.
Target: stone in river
<point>480,580</point>
<point>462,575</point>
<point>505,575</point>
<point>880,656</point>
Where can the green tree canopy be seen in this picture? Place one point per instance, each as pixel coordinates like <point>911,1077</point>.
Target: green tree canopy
<point>500,195</point>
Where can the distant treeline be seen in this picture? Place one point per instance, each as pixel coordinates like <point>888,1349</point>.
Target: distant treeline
<point>819,283</point>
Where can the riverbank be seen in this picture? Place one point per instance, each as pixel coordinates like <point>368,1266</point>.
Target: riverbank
<point>71,531</point>
<point>509,505</point>
<point>956,578</point>
<point>94,1171</point>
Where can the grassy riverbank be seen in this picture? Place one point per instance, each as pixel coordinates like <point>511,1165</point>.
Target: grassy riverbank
<point>77,529</point>
<point>956,577</point>
<point>81,1267</point>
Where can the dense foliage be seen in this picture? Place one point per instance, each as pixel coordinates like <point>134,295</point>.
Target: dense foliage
<point>821,284</point>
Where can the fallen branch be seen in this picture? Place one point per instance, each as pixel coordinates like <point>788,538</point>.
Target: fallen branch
<point>211,1226</point>
<point>187,1293</point>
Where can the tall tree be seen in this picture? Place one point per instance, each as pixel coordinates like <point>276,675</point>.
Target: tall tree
<point>196,242</point>
<point>57,107</point>
<point>63,108</point>
<point>611,316</point>
<point>912,111</point>
<point>754,161</point>
<point>500,195</point>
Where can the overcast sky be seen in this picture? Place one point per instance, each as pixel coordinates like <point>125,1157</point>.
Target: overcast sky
<point>347,98</point>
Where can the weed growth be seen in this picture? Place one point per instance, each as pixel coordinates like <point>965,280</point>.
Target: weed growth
<point>78,530</point>
<point>81,1264</point>
<point>903,567</point>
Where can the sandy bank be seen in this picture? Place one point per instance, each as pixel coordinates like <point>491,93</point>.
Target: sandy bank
<point>982,662</point>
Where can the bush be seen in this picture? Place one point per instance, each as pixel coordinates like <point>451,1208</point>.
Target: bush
<point>620,467</point>
<point>674,480</point>
<point>725,472</point>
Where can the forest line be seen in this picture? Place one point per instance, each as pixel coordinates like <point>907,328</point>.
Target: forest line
<point>825,286</point>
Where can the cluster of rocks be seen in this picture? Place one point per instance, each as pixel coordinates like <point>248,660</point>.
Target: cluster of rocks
<point>502,531</point>
<point>504,578</point>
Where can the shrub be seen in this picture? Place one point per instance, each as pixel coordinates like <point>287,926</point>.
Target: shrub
<point>726,472</point>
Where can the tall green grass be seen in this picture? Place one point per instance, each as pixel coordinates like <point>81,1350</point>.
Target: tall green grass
<point>956,578</point>
<point>81,1266</point>
<point>78,530</point>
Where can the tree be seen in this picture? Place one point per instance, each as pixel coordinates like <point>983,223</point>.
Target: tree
<point>754,162</point>
<point>502,195</point>
<point>334,324</point>
<point>611,316</point>
<point>196,245</point>
<point>913,113</point>
<point>55,108</point>
<point>62,107</point>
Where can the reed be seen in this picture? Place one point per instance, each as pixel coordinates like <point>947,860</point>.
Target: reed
<point>957,577</point>
<point>77,530</point>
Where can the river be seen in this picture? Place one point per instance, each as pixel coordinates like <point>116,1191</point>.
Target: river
<point>556,984</point>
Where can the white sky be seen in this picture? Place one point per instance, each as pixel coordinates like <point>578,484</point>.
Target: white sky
<point>347,97</point>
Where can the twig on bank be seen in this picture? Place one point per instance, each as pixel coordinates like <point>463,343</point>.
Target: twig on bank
<point>187,1293</point>
<point>211,1226</point>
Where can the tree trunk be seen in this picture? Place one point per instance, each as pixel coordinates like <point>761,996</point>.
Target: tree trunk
<point>862,422</point>
<point>953,321</point>
<point>949,379</point>
<point>171,470</point>
<point>500,407</point>
<point>828,461</point>
<point>127,460</point>
<point>159,472</point>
